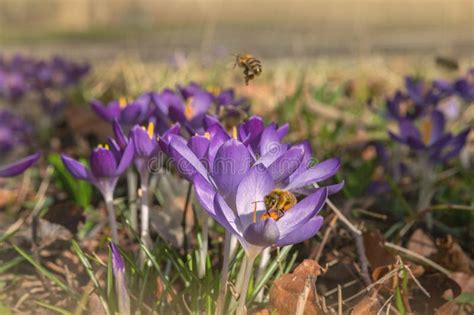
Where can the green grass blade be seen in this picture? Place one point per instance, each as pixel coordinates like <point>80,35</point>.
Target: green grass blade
<point>269,272</point>
<point>86,263</point>
<point>53,308</point>
<point>10,264</point>
<point>44,271</point>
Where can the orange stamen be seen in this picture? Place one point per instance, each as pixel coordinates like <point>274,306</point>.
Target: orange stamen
<point>188,109</point>
<point>122,101</point>
<point>151,129</point>
<point>426,127</point>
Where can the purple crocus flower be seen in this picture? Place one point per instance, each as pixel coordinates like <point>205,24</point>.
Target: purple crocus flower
<point>192,109</point>
<point>14,131</point>
<point>106,166</point>
<point>12,85</point>
<point>18,167</point>
<point>235,180</point>
<point>464,87</point>
<point>125,112</point>
<point>118,269</point>
<point>431,139</point>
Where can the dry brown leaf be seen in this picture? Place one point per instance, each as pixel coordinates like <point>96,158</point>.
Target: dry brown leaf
<point>448,308</point>
<point>441,289</point>
<point>7,197</point>
<point>369,305</point>
<point>421,243</point>
<point>287,289</point>
<point>451,256</point>
<point>377,254</point>
<point>95,306</point>
<point>464,280</point>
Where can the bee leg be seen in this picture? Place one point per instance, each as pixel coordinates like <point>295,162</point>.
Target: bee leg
<point>280,213</point>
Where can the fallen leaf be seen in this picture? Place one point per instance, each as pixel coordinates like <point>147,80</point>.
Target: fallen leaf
<point>464,280</point>
<point>451,256</point>
<point>421,243</point>
<point>441,290</point>
<point>369,305</point>
<point>7,197</point>
<point>377,254</point>
<point>448,308</point>
<point>287,289</point>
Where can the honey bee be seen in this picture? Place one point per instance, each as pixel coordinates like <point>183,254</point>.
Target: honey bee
<point>277,202</point>
<point>251,65</point>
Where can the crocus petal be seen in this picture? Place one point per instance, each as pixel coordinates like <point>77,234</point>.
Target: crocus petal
<point>165,139</point>
<point>226,216</point>
<point>408,129</point>
<point>277,150</point>
<point>145,147</point>
<point>201,103</point>
<point>251,129</point>
<point>269,140</point>
<point>200,146</point>
<point>205,193</point>
<point>307,157</point>
<point>263,233</point>
<point>218,137</point>
<point>256,184</point>
<point>130,114</point>
<point>320,172</point>
<point>456,144</point>
<point>186,161</point>
<point>298,215</point>
<point>437,126</point>
<point>119,134</point>
<point>306,231</point>
<point>18,167</point>
<point>176,112</point>
<point>283,131</point>
<point>127,158</point>
<point>415,143</point>
<point>118,269</point>
<point>333,189</point>
<point>231,164</point>
<point>286,164</point>
<point>76,169</point>
<point>107,113</point>
<point>102,162</point>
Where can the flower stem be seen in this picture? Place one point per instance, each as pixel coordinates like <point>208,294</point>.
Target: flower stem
<point>426,191</point>
<point>132,198</point>
<point>241,309</point>
<point>144,215</point>
<point>224,274</point>
<point>204,244</point>
<point>264,258</point>
<point>185,216</point>
<point>109,202</point>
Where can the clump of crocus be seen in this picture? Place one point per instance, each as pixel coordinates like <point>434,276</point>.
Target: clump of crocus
<point>18,167</point>
<point>432,145</point>
<point>107,163</point>
<point>14,131</point>
<point>241,171</point>
<point>46,79</point>
<point>118,269</point>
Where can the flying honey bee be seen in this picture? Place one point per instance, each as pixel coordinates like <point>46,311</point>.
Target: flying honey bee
<point>277,202</point>
<point>251,65</point>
